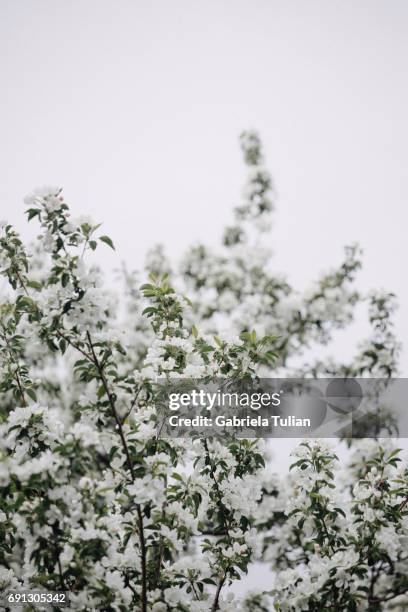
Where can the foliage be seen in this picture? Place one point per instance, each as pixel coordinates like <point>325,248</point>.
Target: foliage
<point>95,501</point>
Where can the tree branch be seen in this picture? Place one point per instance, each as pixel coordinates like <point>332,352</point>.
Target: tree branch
<point>143,550</point>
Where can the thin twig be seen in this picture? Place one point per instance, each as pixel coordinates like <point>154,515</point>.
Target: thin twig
<point>403,504</point>
<point>221,582</point>
<point>214,607</point>
<point>143,550</point>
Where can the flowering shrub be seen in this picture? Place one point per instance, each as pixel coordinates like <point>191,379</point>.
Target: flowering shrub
<point>94,501</point>
<point>343,548</point>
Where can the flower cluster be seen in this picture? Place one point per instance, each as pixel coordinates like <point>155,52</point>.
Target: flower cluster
<point>343,546</point>
<point>95,501</point>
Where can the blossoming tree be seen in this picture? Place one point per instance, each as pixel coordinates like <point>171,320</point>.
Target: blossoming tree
<point>96,502</point>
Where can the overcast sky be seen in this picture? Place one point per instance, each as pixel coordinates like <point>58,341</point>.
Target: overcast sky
<point>135,109</point>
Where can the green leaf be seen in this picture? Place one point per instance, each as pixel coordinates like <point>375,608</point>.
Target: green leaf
<point>394,452</point>
<point>107,241</point>
<point>101,392</point>
<point>32,212</point>
<point>34,285</point>
<point>63,345</point>
<point>31,394</point>
<point>150,310</point>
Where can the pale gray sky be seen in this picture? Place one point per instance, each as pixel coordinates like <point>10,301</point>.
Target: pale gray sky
<point>135,108</point>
